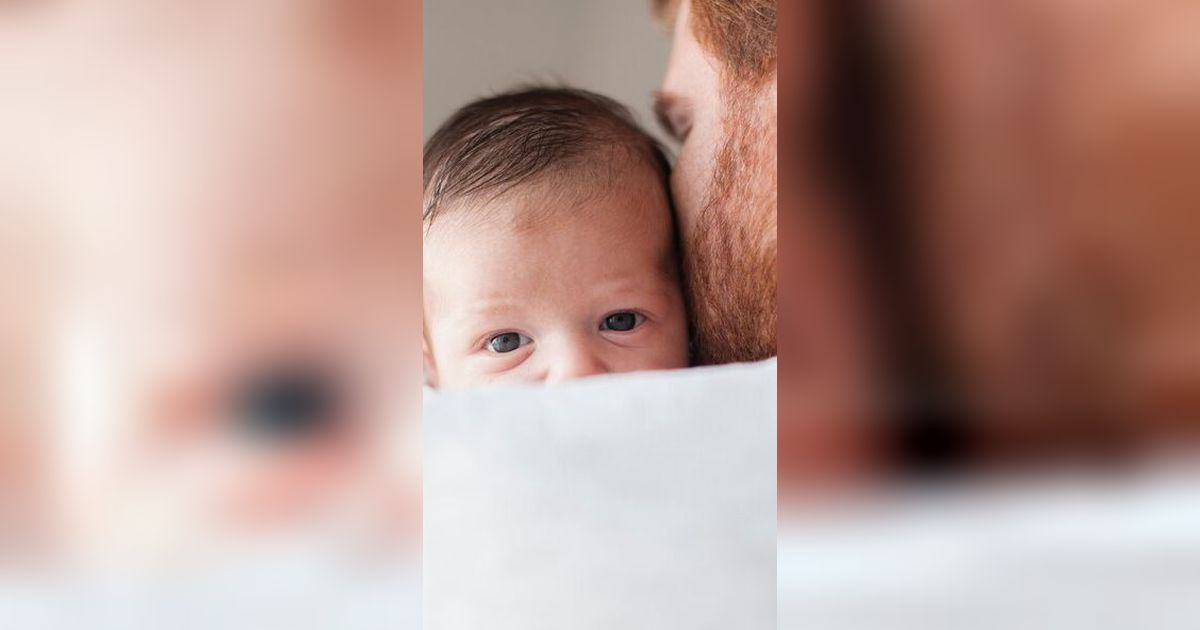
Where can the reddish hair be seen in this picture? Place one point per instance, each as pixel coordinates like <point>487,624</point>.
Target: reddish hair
<point>741,33</point>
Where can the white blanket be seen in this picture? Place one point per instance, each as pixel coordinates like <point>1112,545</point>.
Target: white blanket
<point>627,501</point>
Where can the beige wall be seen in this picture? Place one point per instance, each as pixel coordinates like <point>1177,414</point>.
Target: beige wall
<point>474,48</point>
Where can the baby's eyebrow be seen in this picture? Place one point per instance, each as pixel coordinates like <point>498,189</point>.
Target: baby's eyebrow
<point>652,285</point>
<point>482,316</point>
<point>489,307</point>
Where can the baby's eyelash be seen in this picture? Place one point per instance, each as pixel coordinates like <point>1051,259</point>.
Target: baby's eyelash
<point>639,319</point>
<point>484,342</point>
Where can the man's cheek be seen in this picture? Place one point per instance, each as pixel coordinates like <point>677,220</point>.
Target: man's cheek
<point>689,186</point>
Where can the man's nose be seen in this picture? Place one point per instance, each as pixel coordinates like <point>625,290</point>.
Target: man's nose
<point>576,360</point>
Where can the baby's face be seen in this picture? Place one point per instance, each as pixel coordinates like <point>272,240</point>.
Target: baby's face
<point>546,285</point>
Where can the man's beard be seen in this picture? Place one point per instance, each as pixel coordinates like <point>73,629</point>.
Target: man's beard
<point>730,253</point>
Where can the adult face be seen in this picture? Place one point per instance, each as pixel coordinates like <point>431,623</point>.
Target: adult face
<point>725,194</point>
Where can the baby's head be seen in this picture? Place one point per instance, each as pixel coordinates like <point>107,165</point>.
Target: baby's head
<point>550,247</point>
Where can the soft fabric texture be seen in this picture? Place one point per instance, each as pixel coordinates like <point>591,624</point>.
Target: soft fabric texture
<point>643,500</point>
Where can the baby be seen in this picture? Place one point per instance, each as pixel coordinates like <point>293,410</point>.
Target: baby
<point>549,249</point>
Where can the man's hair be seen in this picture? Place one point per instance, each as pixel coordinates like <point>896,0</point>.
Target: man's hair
<point>741,33</point>
<point>497,143</point>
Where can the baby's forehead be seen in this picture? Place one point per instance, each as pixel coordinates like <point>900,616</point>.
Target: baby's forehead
<point>556,222</point>
<point>613,181</point>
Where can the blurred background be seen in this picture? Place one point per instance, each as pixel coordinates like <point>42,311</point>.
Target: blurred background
<point>1005,193</point>
<point>476,49</point>
<point>209,323</point>
<point>1013,208</point>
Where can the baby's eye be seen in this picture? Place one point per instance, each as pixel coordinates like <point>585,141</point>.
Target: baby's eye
<point>287,405</point>
<point>507,342</point>
<point>623,321</point>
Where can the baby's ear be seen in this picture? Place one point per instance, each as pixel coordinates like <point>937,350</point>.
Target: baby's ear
<point>428,364</point>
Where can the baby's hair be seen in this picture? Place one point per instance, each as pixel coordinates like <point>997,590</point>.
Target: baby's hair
<point>497,143</point>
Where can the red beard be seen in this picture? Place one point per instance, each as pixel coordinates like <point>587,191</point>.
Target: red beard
<point>730,254</point>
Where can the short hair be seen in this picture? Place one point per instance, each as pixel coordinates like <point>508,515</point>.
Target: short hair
<point>741,33</point>
<point>497,143</point>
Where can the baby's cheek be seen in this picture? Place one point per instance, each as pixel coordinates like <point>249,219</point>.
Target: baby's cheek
<point>676,345</point>
<point>674,352</point>
<point>475,370</point>
<point>663,347</point>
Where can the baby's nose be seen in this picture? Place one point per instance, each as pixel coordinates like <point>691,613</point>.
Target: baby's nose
<point>576,360</point>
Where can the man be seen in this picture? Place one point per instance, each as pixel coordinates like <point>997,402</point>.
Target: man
<point>718,102</point>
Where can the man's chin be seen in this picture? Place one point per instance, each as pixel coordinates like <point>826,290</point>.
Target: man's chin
<point>732,284</point>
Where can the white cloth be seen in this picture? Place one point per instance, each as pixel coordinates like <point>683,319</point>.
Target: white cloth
<point>1037,552</point>
<point>642,500</point>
